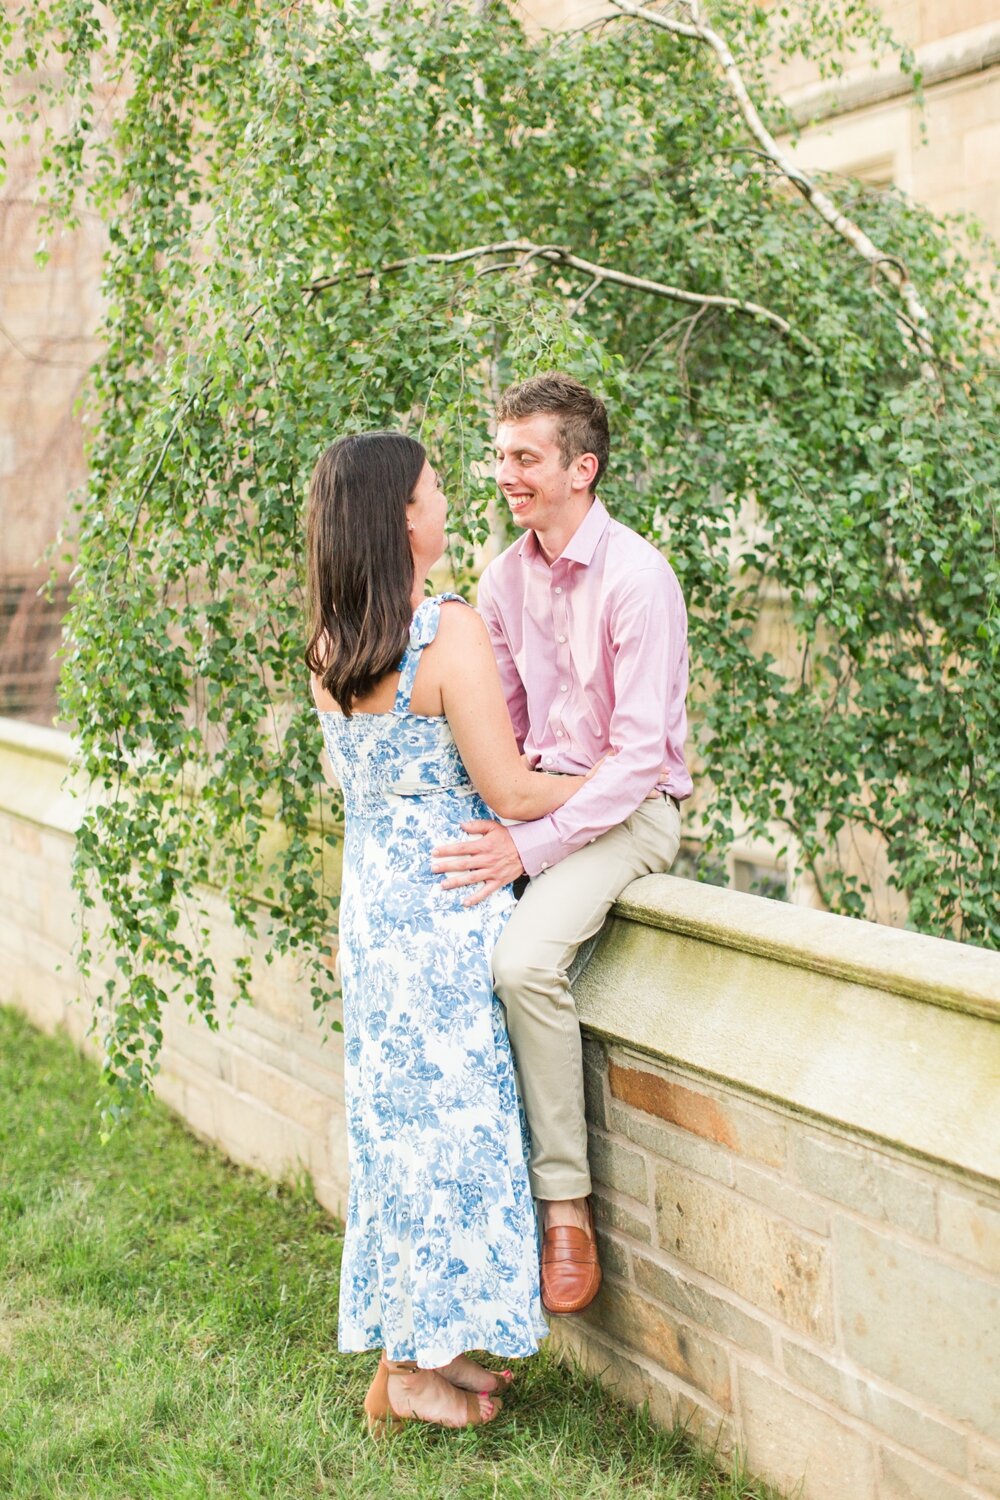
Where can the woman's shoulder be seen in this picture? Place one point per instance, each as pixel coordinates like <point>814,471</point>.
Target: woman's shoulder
<point>456,625</point>
<point>427,619</point>
<point>447,602</point>
<point>458,618</point>
<point>438,610</point>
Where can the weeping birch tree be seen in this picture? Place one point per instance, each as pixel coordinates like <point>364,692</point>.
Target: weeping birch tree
<point>327,217</point>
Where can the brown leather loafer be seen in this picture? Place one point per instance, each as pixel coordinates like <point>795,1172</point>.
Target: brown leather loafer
<point>571,1271</point>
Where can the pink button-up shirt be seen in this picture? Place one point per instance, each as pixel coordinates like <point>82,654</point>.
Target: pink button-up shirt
<point>592,652</point>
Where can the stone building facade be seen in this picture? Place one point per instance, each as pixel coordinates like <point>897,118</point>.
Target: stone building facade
<point>49,314</point>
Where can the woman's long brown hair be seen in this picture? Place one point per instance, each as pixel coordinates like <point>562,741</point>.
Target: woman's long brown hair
<point>360,566</point>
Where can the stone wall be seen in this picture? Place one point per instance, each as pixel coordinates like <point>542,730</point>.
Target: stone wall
<point>795,1142</point>
<point>267,1088</point>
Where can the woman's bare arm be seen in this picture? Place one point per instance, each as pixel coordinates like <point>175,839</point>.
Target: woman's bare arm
<point>475,708</point>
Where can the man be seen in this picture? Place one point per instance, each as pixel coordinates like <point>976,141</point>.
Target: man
<point>590,633</point>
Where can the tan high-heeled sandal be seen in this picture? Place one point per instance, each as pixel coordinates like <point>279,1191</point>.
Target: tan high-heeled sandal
<point>383,1418</point>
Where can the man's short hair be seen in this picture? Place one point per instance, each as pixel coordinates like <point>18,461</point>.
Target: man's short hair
<point>581,417</point>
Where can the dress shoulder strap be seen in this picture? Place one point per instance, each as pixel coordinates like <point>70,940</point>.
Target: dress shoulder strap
<point>423,629</point>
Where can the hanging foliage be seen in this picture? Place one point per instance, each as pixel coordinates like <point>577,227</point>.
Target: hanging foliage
<point>331,217</point>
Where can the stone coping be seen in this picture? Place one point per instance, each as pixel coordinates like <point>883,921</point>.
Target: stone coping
<point>934,970</point>
<point>890,1036</point>
<point>957,976</point>
<point>35,784</point>
<point>35,740</point>
<point>967,52</point>
<point>31,792</point>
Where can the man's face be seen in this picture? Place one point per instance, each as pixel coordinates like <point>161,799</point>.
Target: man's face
<point>529,470</point>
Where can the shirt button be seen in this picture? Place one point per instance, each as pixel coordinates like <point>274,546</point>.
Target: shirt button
<point>560,734</point>
<point>548,760</point>
<point>545,865</point>
<point>564,687</point>
<point>561,639</point>
<point>558,590</point>
<point>592,841</point>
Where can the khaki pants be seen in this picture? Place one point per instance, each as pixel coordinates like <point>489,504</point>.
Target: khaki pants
<point>560,910</point>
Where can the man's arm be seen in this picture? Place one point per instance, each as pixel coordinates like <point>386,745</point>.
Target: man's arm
<point>646,622</point>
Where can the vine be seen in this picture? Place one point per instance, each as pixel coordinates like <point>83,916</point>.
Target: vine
<point>321,218</point>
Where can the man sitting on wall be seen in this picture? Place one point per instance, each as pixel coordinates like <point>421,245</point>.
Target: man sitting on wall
<point>589,629</point>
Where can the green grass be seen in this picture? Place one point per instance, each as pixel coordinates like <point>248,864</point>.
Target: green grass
<point>168,1330</point>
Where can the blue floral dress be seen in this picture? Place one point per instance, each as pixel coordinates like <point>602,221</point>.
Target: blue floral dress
<point>441,1252</point>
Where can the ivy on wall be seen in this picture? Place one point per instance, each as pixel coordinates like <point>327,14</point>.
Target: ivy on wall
<point>330,217</point>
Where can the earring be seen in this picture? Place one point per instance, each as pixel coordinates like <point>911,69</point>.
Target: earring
<point>408,526</point>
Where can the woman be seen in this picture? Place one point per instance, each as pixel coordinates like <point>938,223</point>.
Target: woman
<point>440,1254</point>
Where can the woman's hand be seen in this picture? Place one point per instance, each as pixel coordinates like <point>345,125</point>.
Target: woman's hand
<point>598,764</point>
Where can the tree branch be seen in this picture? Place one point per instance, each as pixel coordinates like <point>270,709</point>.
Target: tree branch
<point>576,306</point>
<point>663,337</point>
<point>559,255</point>
<point>918,319</point>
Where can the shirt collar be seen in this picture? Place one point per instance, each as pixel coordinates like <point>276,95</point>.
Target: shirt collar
<point>582,544</point>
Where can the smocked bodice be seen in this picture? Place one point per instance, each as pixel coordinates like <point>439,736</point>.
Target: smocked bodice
<point>396,754</point>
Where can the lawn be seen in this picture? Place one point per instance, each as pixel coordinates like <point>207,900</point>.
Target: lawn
<point>168,1330</point>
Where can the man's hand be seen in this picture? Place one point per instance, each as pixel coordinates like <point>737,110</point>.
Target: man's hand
<point>490,859</point>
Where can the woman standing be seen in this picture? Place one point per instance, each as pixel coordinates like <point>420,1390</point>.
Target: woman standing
<point>440,1254</point>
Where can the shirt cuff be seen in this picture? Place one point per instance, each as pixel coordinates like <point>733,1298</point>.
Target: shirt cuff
<point>538,845</point>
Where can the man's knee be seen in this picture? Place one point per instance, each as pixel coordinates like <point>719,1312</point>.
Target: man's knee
<point>510,972</point>
<point>519,975</point>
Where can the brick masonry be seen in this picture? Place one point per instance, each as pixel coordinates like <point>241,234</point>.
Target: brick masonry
<point>831,1309</point>
<point>787,1283</point>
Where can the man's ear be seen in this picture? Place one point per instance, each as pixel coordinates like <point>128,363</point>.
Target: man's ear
<point>586,467</point>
